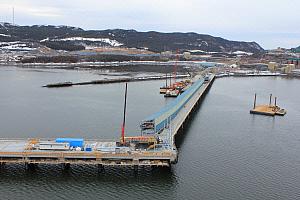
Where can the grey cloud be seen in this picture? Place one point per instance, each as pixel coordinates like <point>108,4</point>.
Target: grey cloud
<point>247,20</point>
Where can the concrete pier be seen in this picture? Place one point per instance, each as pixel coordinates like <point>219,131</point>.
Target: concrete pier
<point>27,151</point>
<point>184,114</point>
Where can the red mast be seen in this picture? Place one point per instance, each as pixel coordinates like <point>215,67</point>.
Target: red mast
<point>124,116</point>
<point>175,66</point>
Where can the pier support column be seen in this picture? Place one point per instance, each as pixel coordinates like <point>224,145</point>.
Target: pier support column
<point>66,166</point>
<point>33,166</point>
<point>100,168</point>
<point>270,103</point>
<point>2,164</point>
<point>30,166</point>
<point>136,168</point>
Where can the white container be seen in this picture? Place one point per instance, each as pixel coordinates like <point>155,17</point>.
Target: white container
<point>54,146</point>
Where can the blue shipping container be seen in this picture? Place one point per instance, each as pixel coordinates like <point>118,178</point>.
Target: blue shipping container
<point>74,142</point>
<point>88,149</point>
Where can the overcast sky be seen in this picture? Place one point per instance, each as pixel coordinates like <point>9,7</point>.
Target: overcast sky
<point>271,23</point>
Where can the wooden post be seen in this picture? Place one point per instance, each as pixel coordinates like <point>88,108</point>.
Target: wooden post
<point>66,166</point>
<point>270,100</point>
<point>2,164</point>
<point>254,105</point>
<point>175,66</point>
<point>100,167</point>
<point>275,101</point>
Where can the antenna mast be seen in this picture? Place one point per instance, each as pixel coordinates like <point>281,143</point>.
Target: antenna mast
<point>13,16</point>
<point>175,66</point>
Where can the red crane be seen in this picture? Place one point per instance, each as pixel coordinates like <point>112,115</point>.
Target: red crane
<point>124,117</point>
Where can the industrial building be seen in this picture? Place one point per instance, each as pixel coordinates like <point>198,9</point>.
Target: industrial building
<point>295,61</point>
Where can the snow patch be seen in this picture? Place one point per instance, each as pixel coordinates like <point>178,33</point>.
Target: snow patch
<point>202,43</point>
<point>205,43</point>
<point>89,47</point>
<point>3,35</point>
<point>197,51</point>
<point>8,43</point>
<point>44,40</point>
<point>242,53</point>
<point>111,42</point>
<point>15,46</point>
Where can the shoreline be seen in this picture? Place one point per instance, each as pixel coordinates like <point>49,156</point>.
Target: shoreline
<point>132,67</point>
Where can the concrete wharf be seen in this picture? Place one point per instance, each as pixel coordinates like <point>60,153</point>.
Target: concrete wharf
<point>110,153</point>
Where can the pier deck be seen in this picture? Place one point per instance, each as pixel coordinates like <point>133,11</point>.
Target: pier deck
<point>183,114</point>
<point>188,108</point>
<point>22,151</point>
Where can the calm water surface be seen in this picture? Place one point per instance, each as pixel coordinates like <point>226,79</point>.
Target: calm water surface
<point>225,153</point>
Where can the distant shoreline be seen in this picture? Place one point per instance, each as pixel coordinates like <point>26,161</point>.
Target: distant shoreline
<point>125,66</point>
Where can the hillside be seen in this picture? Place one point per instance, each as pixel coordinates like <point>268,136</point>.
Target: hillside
<point>296,50</point>
<point>73,38</point>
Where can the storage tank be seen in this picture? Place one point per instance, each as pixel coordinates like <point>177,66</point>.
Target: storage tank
<point>272,66</point>
<point>292,66</point>
<point>187,55</point>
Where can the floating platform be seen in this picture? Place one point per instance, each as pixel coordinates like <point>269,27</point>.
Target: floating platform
<point>268,110</point>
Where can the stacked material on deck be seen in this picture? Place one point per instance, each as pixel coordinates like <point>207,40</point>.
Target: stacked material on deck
<point>159,120</point>
<point>74,142</point>
<point>107,146</point>
<point>54,146</point>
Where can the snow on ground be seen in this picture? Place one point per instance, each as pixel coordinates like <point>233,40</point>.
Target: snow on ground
<point>44,40</point>
<point>89,47</point>
<point>242,53</point>
<point>3,35</point>
<point>205,43</point>
<point>9,43</point>
<point>111,42</point>
<point>17,45</point>
<point>197,51</point>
